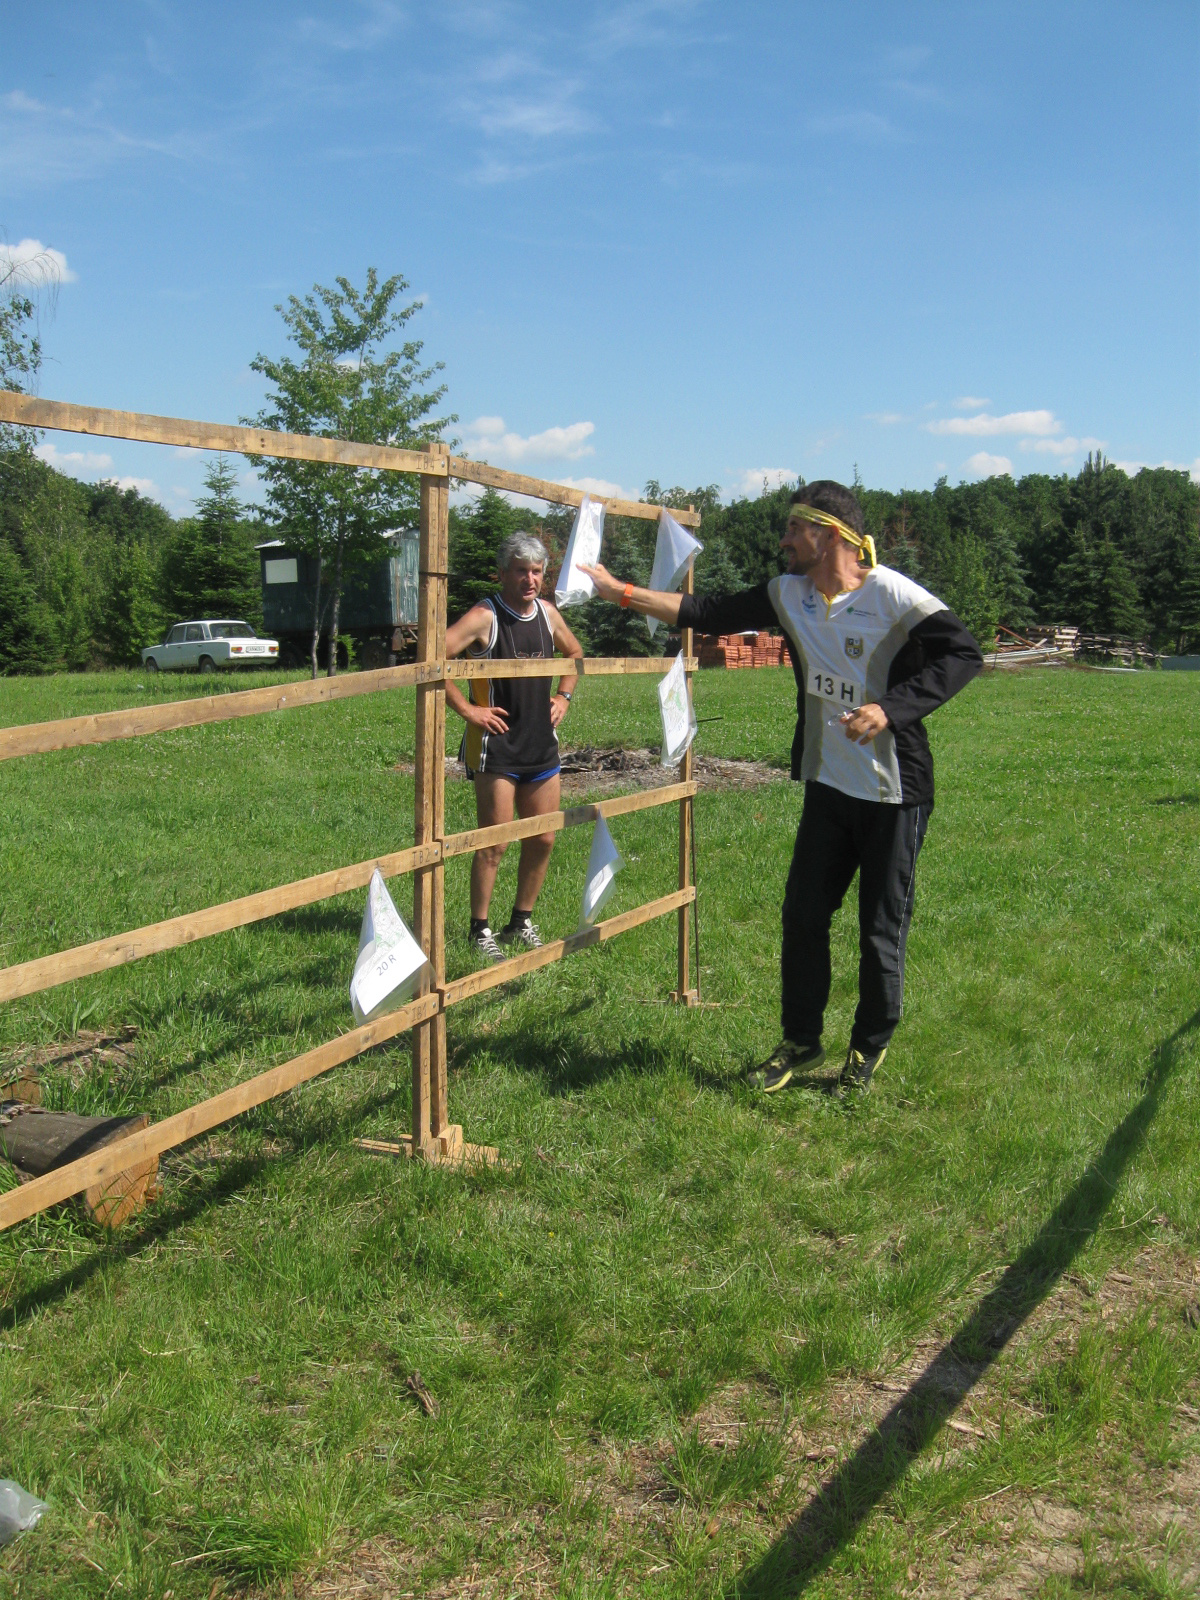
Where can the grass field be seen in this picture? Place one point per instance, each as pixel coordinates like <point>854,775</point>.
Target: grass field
<point>691,1342</point>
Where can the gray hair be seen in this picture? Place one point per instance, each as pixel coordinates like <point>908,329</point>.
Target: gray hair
<point>521,547</point>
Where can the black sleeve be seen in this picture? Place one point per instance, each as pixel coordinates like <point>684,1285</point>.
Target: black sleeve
<point>728,613</point>
<point>939,659</point>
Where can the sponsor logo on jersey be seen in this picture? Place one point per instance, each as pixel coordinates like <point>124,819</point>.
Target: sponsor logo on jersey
<point>809,602</point>
<point>854,648</point>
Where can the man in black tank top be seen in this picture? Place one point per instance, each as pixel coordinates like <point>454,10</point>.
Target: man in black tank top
<point>510,747</point>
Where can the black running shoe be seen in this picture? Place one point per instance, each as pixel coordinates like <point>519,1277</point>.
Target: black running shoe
<point>786,1060</point>
<point>484,941</point>
<point>521,933</point>
<point>854,1080</point>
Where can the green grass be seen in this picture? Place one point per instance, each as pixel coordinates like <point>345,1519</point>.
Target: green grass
<point>639,1333</point>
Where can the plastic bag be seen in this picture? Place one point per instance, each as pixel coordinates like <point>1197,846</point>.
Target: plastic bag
<point>19,1510</point>
<point>603,865</point>
<point>574,587</point>
<point>389,958</point>
<point>678,715</point>
<point>674,551</point>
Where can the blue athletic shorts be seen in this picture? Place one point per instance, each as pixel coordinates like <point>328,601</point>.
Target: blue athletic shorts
<point>518,777</point>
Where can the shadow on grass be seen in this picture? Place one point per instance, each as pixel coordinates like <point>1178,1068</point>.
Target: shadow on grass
<point>165,1220</point>
<point>835,1513</point>
<point>1177,800</point>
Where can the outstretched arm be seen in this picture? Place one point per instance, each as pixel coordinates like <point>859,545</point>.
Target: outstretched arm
<point>647,602</point>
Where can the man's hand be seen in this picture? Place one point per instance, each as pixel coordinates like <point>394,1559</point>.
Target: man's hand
<point>865,723</point>
<point>559,706</point>
<point>492,719</point>
<point>607,586</point>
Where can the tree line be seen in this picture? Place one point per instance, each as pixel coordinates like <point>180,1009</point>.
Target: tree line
<point>90,574</point>
<point>1101,551</point>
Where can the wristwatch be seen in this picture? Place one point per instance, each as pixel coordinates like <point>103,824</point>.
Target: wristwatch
<point>565,695</point>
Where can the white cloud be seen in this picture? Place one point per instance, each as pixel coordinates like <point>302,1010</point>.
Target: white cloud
<point>756,481</point>
<point>487,437</point>
<point>144,486</point>
<point>1132,468</point>
<point>73,462</point>
<point>866,126</point>
<point>886,419</point>
<point>984,426</point>
<point>982,465</point>
<point>33,265</point>
<point>1061,447</point>
<point>968,402</point>
<point>602,488</point>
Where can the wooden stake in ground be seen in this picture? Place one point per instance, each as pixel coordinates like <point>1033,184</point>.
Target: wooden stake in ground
<point>684,993</point>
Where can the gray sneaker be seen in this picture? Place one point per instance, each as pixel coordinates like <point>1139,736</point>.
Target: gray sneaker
<point>786,1060</point>
<point>521,933</point>
<point>485,942</point>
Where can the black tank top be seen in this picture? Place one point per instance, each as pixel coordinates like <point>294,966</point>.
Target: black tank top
<point>531,745</point>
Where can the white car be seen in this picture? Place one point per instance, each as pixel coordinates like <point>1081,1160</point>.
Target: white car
<point>209,645</point>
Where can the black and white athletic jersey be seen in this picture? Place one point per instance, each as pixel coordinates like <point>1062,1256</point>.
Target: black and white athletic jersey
<point>890,642</point>
<point>529,747</point>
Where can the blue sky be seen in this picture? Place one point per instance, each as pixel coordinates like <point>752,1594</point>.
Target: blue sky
<point>690,241</point>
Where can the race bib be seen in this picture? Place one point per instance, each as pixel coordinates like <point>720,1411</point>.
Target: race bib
<point>840,690</point>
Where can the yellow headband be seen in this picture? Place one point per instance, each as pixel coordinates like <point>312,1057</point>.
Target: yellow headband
<point>862,542</point>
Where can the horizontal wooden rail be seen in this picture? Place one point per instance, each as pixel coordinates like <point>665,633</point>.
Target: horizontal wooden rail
<point>552,666</point>
<point>457,844</point>
<point>517,966</point>
<point>29,412</point>
<point>113,1159</point>
<point>469,471</point>
<point>37,738</point>
<point>70,733</point>
<point>81,961</point>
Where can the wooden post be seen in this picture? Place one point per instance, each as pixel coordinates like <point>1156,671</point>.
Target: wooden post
<point>429,1120</point>
<point>684,993</point>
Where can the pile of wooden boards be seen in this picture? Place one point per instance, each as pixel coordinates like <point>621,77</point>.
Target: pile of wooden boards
<point>731,650</point>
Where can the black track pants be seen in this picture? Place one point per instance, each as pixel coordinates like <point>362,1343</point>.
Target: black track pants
<point>839,834</point>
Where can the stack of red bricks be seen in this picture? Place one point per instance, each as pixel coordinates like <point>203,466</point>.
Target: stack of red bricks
<point>743,650</point>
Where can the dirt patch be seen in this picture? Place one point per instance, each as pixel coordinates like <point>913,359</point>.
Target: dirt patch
<point>77,1057</point>
<point>588,771</point>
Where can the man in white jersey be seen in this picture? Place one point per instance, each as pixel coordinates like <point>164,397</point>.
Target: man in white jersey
<point>873,654</point>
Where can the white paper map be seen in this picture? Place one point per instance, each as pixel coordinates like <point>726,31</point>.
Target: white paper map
<point>674,550</point>
<point>389,958</point>
<point>603,865</point>
<point>574,587</point>
<point>678,717</point>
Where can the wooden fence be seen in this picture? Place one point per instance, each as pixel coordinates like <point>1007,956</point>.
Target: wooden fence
<point>433,1136</point>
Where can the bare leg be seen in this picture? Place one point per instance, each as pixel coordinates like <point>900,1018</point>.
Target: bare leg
<point>534,800</point>
<point>493,804</point>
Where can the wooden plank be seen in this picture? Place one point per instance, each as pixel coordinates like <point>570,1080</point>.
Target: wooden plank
<point>469,471</point>
<point>517,966</point>
<point>37,738</point>
<point>439,565</point>
<point>126,1153</point>
<point>429,760</point>
<point>68,733</point>
<point>589,667</point>
<point>45,972</point>
<point>684,992</point>
<point>27,411</point>
<point>457,844</point>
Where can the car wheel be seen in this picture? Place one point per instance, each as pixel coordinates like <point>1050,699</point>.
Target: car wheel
<point>151,664</point>
<point>206,665</point>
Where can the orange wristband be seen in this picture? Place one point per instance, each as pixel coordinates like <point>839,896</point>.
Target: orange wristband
<point>627,596</point>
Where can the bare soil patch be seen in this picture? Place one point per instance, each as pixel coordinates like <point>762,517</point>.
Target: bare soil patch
<point>588,771</point>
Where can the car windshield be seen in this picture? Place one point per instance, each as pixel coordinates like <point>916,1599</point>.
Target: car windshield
<point>230,630</point>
